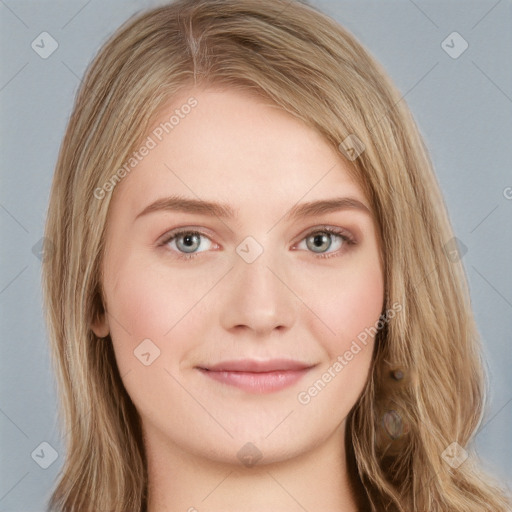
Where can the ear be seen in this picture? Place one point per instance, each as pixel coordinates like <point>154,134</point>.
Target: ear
<point>100,325</point>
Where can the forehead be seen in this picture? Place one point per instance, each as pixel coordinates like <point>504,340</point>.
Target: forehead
<point>237,148</point>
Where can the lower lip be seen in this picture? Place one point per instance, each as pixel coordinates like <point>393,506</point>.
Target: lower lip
<point>257,382</point>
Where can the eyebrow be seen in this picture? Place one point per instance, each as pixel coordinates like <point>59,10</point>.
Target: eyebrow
<point>224,211</point>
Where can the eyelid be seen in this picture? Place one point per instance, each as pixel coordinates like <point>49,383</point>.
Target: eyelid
<point>322,228</point>
<point>181,230</point>
<point>177,232</point>
<point>347,237</point>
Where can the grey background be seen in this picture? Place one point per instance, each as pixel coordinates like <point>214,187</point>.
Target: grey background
<point>463,107</point>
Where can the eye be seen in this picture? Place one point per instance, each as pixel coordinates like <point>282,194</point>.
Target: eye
<point>327,242</point>
<point>186,243</point>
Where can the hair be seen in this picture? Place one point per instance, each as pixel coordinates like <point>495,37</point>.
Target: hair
<point>426,388</point>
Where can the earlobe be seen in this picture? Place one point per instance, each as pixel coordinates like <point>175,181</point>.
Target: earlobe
<point>100,326</point>
<point>99,322</point>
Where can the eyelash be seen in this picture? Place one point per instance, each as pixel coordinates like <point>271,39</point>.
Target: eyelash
<point>346,237</point>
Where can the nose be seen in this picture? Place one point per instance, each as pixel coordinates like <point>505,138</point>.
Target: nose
<point>257,297</point>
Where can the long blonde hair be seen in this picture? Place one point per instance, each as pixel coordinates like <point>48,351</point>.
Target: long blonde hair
<point>426,388</point>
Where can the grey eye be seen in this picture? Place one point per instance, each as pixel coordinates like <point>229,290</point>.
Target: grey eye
<point>191,242</point>
<point>319,242</point>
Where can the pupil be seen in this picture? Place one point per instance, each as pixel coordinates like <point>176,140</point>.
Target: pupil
<point>319,240</point>
<point>188,241</point>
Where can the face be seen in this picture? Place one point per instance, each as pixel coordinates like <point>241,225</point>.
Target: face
<point>239,326</point>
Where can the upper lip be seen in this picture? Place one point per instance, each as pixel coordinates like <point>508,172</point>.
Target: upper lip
<point>257,366</point>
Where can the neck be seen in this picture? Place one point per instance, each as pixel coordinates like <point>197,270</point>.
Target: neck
<point>315,480</point>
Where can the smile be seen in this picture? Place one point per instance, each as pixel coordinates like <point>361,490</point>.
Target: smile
<point>257,376</point>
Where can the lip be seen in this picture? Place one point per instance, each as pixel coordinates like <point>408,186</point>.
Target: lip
<point>257,376</point>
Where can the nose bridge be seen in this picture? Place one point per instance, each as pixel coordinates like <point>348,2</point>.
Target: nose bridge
<point>255,294</point>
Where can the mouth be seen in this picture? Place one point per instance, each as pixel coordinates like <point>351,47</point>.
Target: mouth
<point>257,376</point>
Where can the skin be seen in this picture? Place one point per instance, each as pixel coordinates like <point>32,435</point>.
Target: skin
<point>241,150</point>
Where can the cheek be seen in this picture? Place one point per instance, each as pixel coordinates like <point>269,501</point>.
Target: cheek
<point>145,305</point>
<point>351,304</point>
<point>351,309</point>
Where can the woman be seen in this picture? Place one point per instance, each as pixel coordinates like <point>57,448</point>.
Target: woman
<point>255,309</point>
